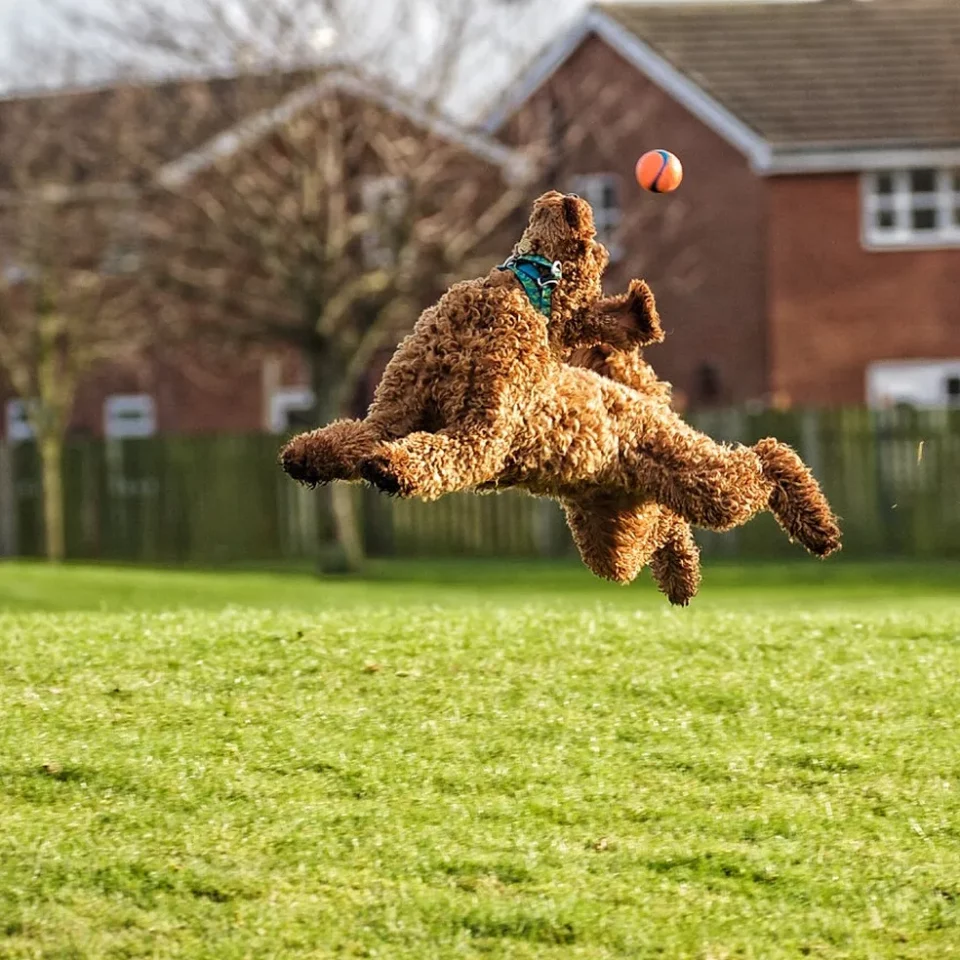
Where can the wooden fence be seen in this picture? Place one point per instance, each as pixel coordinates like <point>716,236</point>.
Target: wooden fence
<point>893,476</point>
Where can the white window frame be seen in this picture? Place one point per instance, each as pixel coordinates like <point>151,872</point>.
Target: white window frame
<point>902,202</point>
<point>592,187</point>
<point>18,428</point>
<point>129,415</point>
<point>915,383</point>
<point>285,401</point>
<point>377,193</point>
<point>15,273</point>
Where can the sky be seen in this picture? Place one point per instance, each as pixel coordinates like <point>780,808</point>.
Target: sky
<point>485,67</point>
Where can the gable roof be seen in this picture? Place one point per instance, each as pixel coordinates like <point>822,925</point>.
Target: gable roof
<point>251,129</point>
<point>833,84</point>
<point>77,141</point>
<point>78,138</point>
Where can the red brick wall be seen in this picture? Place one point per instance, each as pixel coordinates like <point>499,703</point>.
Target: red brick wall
<point>198,389</point>
<point>702,248</point>
<point>835,307</point>
<point>195,389</point>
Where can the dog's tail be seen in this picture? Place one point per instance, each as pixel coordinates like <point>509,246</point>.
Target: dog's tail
<point>797,501</point>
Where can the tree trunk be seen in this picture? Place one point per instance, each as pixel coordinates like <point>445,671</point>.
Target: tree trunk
<point>341,537</point>
<point>9,544</point>
<point>55,388</point>
<point>51,463</point>
<point>346,524</point>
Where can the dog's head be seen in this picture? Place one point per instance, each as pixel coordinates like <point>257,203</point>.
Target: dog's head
<point>561,228</point>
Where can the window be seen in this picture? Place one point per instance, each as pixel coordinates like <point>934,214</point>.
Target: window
<point>16,273</point>
<point>384,204</point>
<point>602,192</point>
<point>952,390</point>
<point>122,253</point>
<point>914,207</point>
<point>927,384</point>
<point>129,415</point>
<point>18,426</point>
<point>708,383</point>
<point>290,409</point>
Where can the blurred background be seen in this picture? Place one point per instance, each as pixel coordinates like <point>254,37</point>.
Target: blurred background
<point>219,217</point>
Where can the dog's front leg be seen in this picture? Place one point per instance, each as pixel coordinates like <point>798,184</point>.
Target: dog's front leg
<point>330,453</point>
<point>429,465</point>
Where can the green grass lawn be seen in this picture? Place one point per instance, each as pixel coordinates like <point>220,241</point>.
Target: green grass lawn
<point>479,760</point>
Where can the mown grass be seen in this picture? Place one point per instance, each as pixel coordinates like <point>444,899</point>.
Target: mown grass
<point>479,761</point>
<point>31,587</point>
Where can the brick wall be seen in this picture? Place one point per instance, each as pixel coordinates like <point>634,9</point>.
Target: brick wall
<point>196,390</point>
<point>200,389</point>
<point>835,307</point>
<point>702,248</point>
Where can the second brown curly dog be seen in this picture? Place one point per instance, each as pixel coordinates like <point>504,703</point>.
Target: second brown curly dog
<point>477,395</point>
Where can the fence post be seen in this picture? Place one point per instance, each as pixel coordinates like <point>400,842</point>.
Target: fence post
<point>8,503</point>
<point>550,531</point>
<point>810,441</point>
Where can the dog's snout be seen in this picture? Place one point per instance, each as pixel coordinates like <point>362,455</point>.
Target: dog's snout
<point>571,211</point>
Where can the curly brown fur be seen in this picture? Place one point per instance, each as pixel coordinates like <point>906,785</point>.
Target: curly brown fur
<point>616,537</point>
<point>617,540</point>
<point>794,490</point>
<point>675,564</point>
<point>623,322</point>
<point>624,366</point>
<point>328,454</point>
<point>478,395</point>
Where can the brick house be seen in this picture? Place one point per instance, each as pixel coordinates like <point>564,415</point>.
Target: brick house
<point>188,129</point>
<point>821,200</point>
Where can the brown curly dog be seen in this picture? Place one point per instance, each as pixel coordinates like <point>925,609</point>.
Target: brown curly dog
<point>478,395</point>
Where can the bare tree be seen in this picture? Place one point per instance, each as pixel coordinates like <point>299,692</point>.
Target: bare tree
<point>65,302</point>
<point>331,203</point>
<point>325,196</point>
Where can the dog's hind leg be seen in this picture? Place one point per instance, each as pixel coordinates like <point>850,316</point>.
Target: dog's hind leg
<point>615,538</point>
<point>675,564</point>
<point>720,486</point>
<point>708,484</point>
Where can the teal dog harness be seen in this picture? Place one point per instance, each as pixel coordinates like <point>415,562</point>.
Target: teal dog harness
<point>538,277</point>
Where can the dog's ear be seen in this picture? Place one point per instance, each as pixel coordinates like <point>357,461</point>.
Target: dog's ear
<point>640,314</point>
<point>635,312</point>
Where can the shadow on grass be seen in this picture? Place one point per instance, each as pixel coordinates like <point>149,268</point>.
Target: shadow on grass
<point>34,586</point>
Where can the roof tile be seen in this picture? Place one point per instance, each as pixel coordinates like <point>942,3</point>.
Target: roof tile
<point>831,73</point>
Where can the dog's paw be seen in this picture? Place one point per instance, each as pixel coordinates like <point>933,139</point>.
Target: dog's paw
<point>822,539</point>
<point>330,453</point>
<point>381,471</point>
<point>303,462</point>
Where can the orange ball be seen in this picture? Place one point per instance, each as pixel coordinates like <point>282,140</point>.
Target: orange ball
<point>659,171</point>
